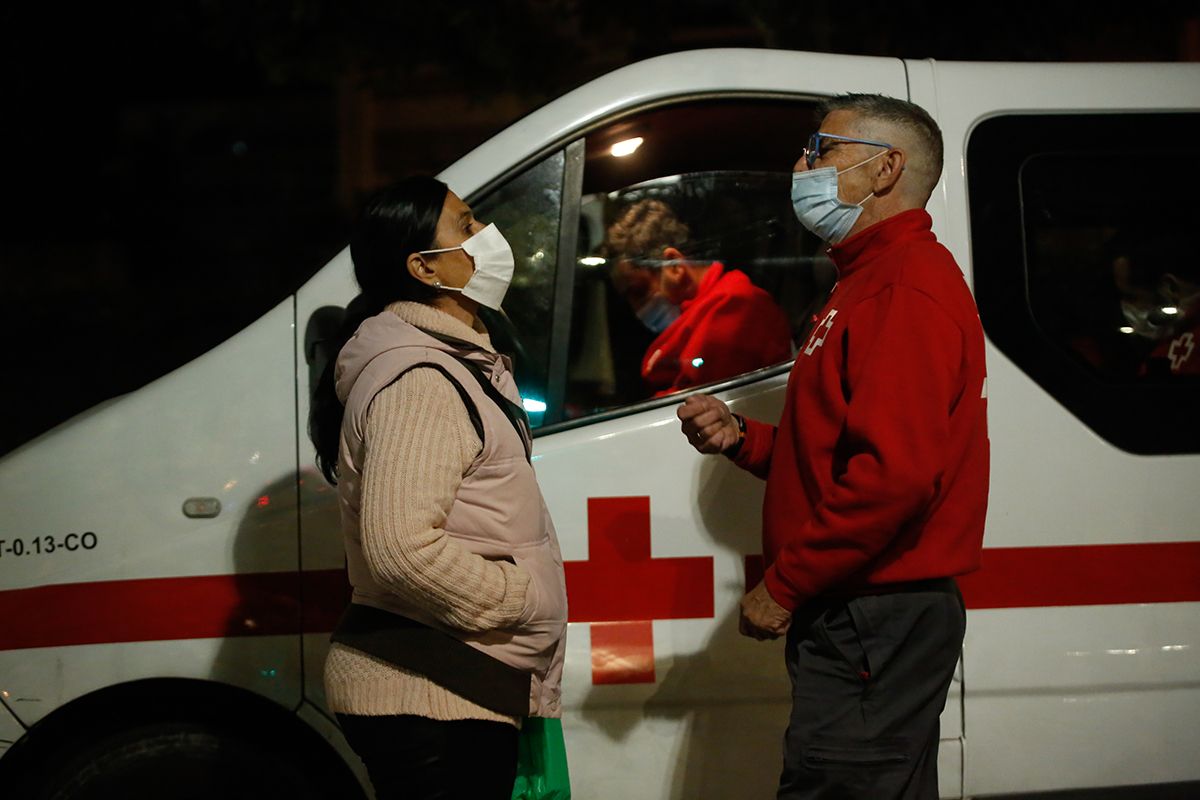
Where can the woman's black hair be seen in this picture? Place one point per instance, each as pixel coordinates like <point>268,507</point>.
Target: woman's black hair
<point>395,222</point>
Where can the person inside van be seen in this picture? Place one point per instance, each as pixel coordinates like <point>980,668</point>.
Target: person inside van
<point>456,626</point>
<point>710,322</point>
<point>1160,303</point>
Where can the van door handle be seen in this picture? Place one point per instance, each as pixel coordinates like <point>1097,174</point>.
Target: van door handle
<point>201,507</point>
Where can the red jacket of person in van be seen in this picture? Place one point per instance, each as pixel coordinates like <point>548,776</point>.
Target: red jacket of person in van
<point>878,471</point>
<point>731,326</point>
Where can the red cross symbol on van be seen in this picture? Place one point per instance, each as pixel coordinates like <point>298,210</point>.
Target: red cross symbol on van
<point>621,589</point>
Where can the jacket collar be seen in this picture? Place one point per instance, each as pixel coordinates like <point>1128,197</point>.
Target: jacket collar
<point>863,247</point>
<point>713,274</point>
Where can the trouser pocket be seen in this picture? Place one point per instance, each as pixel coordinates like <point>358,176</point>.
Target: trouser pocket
<point>838,629</point>
<point>853,756</point>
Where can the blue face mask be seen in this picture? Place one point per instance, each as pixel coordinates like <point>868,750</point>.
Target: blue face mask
<point>817,205</point>
<point>658,313</point>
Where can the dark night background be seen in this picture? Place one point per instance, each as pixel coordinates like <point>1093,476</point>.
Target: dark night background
<point>173,170</point>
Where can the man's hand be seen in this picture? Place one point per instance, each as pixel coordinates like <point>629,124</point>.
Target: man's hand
<point>707,423</point>
<point>763,618</point>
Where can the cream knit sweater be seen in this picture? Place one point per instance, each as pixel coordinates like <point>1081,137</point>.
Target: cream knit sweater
<point>419,442</point>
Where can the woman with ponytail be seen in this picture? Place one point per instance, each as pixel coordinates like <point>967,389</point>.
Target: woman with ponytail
<point>455,630</point>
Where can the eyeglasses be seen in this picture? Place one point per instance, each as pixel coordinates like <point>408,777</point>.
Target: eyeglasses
<point>813,150</point>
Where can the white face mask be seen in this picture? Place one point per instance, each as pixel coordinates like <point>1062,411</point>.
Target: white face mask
<point>494,267</point>
<point>817,205</point>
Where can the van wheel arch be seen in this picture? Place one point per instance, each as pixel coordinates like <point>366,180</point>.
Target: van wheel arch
<point>138,731</point>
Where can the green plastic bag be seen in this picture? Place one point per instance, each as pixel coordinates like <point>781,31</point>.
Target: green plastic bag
<point>542,762</point>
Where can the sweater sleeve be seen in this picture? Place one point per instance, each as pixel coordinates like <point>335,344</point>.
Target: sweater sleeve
<point>902,376</point>
<point>419,443</point>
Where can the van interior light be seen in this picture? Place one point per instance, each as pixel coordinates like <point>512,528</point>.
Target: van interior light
<point>592,261</point>
<point>1126,329</point>
<point>533,406</point>
<point>697,362</point>
<point>1170,311</point>
<point>625,147</point>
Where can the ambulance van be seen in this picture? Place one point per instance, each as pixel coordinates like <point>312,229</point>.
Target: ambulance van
<point>170,562</point>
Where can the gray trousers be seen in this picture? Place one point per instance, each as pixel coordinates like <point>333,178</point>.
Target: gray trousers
<point>870,676</point>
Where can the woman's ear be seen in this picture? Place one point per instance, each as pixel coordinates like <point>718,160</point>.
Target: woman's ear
<point>420,268</point>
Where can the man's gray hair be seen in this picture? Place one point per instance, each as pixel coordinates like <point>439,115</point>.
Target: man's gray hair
<point>909,116</point>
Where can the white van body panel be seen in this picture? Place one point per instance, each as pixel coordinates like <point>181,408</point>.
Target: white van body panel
<point>1055,695</point>
<point>222,426</point>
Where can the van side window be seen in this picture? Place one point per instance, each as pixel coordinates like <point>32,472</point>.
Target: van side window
<point>656,254</point>
<point>1086,269</point>
<point>527,210</point>
<point>691,268</point>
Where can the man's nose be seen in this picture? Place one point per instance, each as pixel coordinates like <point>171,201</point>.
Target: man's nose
<point>801,164</point>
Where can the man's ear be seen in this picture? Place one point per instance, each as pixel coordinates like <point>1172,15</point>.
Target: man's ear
<point>420,268</point>
<point>891,167</point>
<point>673,254</point>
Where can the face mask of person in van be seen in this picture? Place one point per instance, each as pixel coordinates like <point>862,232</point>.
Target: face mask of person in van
<point>658,313</point>
<point>494,265</point>
<point>817,205</point>
<point>1159,314</point>
<point>1146,320</point>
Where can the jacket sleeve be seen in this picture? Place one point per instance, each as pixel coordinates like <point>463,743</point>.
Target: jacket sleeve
<point>754,455</point>
<point>742,332</point>
<point>419,443</point>
<point>902,373</point>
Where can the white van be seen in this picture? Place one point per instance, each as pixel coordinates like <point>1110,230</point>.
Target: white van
<point>170,564</point>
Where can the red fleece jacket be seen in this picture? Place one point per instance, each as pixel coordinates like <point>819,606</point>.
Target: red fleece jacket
<point>878,470</point>
<point>731,326</point>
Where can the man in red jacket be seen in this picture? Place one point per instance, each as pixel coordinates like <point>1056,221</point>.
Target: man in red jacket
<point>710,322</point>
<point>877,474</point>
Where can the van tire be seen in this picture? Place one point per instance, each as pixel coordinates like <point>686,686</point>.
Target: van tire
<point>183,760</point>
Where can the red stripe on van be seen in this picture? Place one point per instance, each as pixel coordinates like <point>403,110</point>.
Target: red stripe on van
<point>1090,575</point>
<point>262,604</point>
<point>152,609</point>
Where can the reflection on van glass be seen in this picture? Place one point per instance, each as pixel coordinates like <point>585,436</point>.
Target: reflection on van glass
<point>687,280</point>
<point>689,265</point>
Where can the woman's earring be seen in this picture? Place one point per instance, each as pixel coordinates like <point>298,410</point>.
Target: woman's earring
<point>437,284</point>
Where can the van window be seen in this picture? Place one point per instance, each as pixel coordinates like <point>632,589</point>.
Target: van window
<point>657,254</point>
<point>526,209</point>
<point>1085,270</point>
<point>691,268</point>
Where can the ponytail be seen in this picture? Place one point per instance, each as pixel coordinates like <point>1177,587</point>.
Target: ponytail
<point>325,410</point>
<point>395,223</point>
